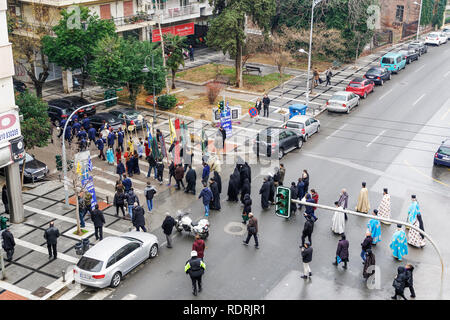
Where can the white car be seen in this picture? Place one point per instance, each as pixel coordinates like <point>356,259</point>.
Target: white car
<point>113,257</point>
<point>306,126</point>
<point>342,101</point>
<point>436,38</point>
<point>446,30</point>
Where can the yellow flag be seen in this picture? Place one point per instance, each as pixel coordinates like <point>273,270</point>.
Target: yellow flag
<point>173,134</point>
<point>79,168</point>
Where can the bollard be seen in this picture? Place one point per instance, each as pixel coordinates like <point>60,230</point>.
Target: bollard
<point>64,275</point>
<point>107,199</point>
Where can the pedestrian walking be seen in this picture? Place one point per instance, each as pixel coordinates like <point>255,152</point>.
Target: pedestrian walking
<point>413,210</point>
<point>245,189</point>
<point>98,219</point>
<point>369,261</point>
<point>151,165</point>
<point>264,192</point>
<point>86,122</point>
<point>409,279</point>
<point>160,170</point>
<point>5,198</point>
<point>138,219</point>
<point>179,175</point>
<point>266,104</point>
<point>100,145</point>
<point>111,138</point>
<point>307,251</point>
<point>300,192</point>
<point>131,199</point>
<point>118,156</point>
<point>8,243</point>
<point>61,127</point>
<point>120,137</point>
<point>247,208</point>
<point>399,244</point>
<point>119,186</point>
<point>294,193</point>
<point>195,267</point>
<point>140,148</point>
<point>374,227</point>
<point>399,284</point>
<point>127,184</point>
<point>81,211</point>
<point>51,235</point>
<point>205,172</point>
<point>338,223</point>
<point>305,178</point>
<point>271,190</point>
<point>215,202</point>
<point>244,173</point>
<point>308,229</point>
<point>68,134</point>
<point>135,160</point>
<point>384,209</point>
<point>167,227</point>
<point>315,197</point>
<point>217,179</point>
<point>149,193</point>
<point>343,201</point>
<point>119,202</point>
<point>309,210</point>
<point>342,252</point>
<point>76,126</point>
<point>415,238</point>
<point>207,196</point>
<point>224,137</point>
<point>92,133</point>
<point>87,203</point>
<point>199,246</point>
<point>276,177</point>
<point>171,172</point>
<point>110,156</point>
<point>252,229</point>
<point>258,105</point>
<point>363,204</point>
<point>282,173</point>
<point>328,74</point>
<point>233,186</point>
<point>316,77</point>
<point>366,245</point>
<point>191,53</point>
<point>191,178</point>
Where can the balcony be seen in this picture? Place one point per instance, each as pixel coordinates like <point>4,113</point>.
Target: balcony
<point>136,21</point>
<point>169,15</point>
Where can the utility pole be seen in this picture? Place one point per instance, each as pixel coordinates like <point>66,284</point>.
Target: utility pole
<point>418,22</point>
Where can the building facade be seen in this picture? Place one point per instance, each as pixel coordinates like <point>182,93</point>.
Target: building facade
<point>400,16</point>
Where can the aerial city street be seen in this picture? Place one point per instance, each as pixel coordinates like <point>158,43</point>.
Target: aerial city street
<point>239,150</point>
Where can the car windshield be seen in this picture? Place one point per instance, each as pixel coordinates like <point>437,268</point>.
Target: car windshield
<point>339,98</point>
<point>28,158</point>
<point>355,85</point>
<point>111,119</point>
<point>132,239</point>
<point>433,35</point>
<point>387,60</point>
<point>295,125</point>
<point>444,150</point>
<point>131,114</point>
<point>89,264</point>
<point>374,71</point>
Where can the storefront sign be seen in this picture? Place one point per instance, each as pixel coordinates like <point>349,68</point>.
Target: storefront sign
<point>178,30</point>
<point>9,126</point>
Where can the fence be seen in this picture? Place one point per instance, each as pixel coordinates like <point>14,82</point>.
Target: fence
<point>409,29</point>
<point>381,38</point>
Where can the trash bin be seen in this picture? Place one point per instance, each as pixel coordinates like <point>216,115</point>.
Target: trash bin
<point>3,221</point>
<point>79,248</point>
<point>297,109</point>
<point>86,244</point>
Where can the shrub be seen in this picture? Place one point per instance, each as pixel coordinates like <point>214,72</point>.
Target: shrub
<point>166,101</point>
<point>447,20</point>
<point>213,90</point>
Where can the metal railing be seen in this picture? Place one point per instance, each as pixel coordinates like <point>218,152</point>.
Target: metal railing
<point>140,17</point>
<point>170,13</point>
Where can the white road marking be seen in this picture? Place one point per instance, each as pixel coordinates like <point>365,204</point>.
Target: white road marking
<point>43,250</point>
<point>130,296</point>
<point>10,287</point>
<point>420,98</point>
<point>101,294</point>
<point>445,75</point>
<point>376,138</point>
<point>420,68</point>
<point>342,127</point>
<point>117,176</point>
<point>385,94</point>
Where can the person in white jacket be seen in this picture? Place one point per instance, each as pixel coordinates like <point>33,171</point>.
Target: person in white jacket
<point>338,225</point>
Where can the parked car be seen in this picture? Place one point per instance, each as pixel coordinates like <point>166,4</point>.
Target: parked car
<point>446,30</point>
<point>442,155</point>
<point>306,126</point>
<point>78,101</point>
<point>35,170</point>
<point>277,141</point>
<point>106,263</point>
<point>97,120</point>
<point>361,87</point>
<point>59,112</point>
<point>343,101</point>
<point>131,116</point>
<point>409,54</point>
<point>418,46</point>
<point>393,61</point>
<point>436,38</point>
<point>19,86</point>
<point>378,75</point>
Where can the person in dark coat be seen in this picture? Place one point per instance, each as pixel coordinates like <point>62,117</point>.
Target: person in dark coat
<point>215,202</point>
<point>179,175</point>
<point>258,105</point>
<point>370,261</point>
<point>138,217</point>
<point>309,210</point>
<point>191,179</point>
<point>160,169</point>
<point>119,202</point>
<point>120,169</point>
<point>111,138</point>
<point>151,165</point>
<point>342,252</point>
<point>244,173</point>
<point>135,160</point>
<point>399,283</point>
<point>100,145</point>
<point>293,197</point>
<point>171,172</point>
<point>308,229</point>
<point>266,103</point>
<point>8,243</point>
<point>271,190</point>
<point>233,186</point>
<point>127,184</point>
<point>195,267</point>
<point>300,191</point>
<point>131,199</point>
<point>305,178</point>
<point>224,136</point>
<point>307,252</point>
<point>247,208</point>
<point>218,179</point>
<point>252,229</point>
<point>207,196</point>
<point>205,172</point>
<point>199,246</point>
<point>366,245</point>
<point>167,227</point>
<point>264,192</point>
<point>245,189</point>
<point>130,166</point>
<point>5,198</point>
<point>51,235</point>
<point>99,220</point>
<point>409,279</point>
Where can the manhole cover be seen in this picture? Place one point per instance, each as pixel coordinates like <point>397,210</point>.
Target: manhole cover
<point>40,292</point>
<point>235,229</point>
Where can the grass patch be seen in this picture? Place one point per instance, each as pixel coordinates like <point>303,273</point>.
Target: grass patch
<point>251,82</point>
<point>83,231</point>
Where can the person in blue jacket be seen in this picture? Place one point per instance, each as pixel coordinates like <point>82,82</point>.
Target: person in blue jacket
<point>91,134</point>
<point>74,118</point>
<point>207,196</point>
<point>120,136</point>
<point>127,184</point>
<point>120,169</point>
<point>86,123</point>
<point>82,134</point>
<point>76,127</point>
<point>205,173</point>
<point>100,146</point>
<point>68,134</point>
<point>61,126</point>
<point>111,138</point>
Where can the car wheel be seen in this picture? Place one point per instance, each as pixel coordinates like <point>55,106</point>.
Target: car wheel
<point>300,143</point>
<point>305,138</point>
<point>348,110</point>
<point>382,82</point>
<point>179,229</point>
<point>390,76</point>
<point>153,251</point>
<point>280,153</point>
<point>205,236</point>
<point>318,129</point>
<point>357,103</point>
<point>115,281</point>
<point>365,95</point>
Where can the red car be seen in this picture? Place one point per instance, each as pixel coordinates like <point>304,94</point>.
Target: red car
<point>361,87</point>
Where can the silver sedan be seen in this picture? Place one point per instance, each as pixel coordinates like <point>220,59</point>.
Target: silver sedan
<point>113,257</point>
<point>342,101</point>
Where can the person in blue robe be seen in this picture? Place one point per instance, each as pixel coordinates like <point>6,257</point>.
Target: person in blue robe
<point>399,243</point>
<point>413,210</point>
<point>375,228</point>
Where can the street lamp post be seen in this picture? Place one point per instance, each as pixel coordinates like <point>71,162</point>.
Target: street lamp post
<point>146,70</point>
<point>420,15</point>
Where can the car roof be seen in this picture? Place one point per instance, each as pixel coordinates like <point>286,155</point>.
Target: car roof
<point>342,93</point>
<point>357,80</point>
<point>391,55</point>
<point>376,68</point>
<point>299,118</point>
<point>106,247</point>
<point>75,98</point>
<point>105,115</point>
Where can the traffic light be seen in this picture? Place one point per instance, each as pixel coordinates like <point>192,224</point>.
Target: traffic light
<point>58,162</point>
<point>221,106</point>
<point>110,93</point>
<point>283,202</point>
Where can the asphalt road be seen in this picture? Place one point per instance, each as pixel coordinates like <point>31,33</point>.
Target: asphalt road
<point>388,141</point>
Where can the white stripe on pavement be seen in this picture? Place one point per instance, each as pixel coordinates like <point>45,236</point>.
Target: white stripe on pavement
<point>420,98</point>
<point>130,296</point>
<point>384,95</point>
<point>376,138</point>
<point>40,249</point>
<point>342,127</point>
<point>420,68</point>
<point>102,294</point>
<point>117,176</point>
<point>445,75</point>
<point>15,289</point>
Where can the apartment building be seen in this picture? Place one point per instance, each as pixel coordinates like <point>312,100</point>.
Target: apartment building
<point>400,16</point>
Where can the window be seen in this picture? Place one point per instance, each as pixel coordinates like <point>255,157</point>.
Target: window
<point>399,59</point>
<point>387,60</point>
<point>90,264</point>
<point>105,11</point>
<point>127,8</point>
<point>295,125</point>
<point>399,13</point>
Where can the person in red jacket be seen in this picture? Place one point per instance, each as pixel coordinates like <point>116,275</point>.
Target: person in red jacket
<point>315,197</point>
<point>199,246</point>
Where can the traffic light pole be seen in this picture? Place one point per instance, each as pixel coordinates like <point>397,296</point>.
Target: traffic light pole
<point>63,151</point>
<point>369,216</point>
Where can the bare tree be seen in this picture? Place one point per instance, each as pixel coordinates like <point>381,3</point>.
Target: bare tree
<point>357,10</point>
<point>157,7</point>
<point>280,53</point>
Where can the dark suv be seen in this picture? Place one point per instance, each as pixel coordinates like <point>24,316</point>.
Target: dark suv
<point>58,113</point>
<point>73,102</point>
<point>442,155</point>
<point>97,120</point>
<point>277,141</point>
<point>419,46</point>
